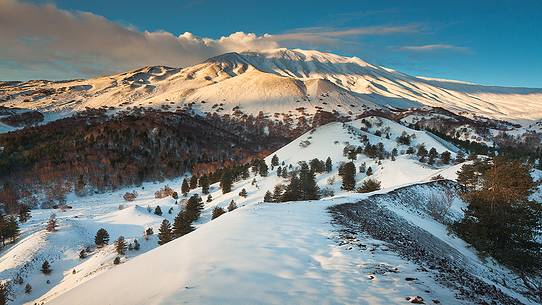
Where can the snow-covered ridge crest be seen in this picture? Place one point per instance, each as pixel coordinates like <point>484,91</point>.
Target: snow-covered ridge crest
<point>275,81</point>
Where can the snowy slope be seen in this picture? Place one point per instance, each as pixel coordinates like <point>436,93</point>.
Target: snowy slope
<point>260,253</point>
<point>275,81</point>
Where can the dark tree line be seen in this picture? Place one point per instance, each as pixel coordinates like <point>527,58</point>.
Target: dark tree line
<point>93,152</point>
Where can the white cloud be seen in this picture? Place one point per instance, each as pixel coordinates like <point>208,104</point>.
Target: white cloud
<point>434,47</point>
<point>43,41</point>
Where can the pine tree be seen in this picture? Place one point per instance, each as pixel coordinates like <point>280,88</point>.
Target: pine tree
<point>120,245</point>
<point>284,172</point>
<point>232,206</point>
<point>102,238</point>
<point>243,193</point>
<point>275,160</point>
<point>329,165</point>
<point>263,169</point>
<point>137,246</point>
<point>445,157</point>
<point>46,267</point>
<point>369,171</point>
<point>217,212</point>
<point>51,223</point>
<point>204,183</point>
<point>363,168</point>
<point>24,213</point>
<point>185,187</point>
<point>500,220</point>
<point>9,228</point>
<point>245,174</point>
<point>226,181</point>
<point>279,171</point>
<point>164,233</point>
<point>194,206</point>
<point>27,289</point>
<point>193,182</point>
<point>170,210</point>
<point>5,292</point>
<point>422,153</point>
<point>268,197</point>
<point>116,261</point>
<point>309,188</point>
<point>348,174</point>
<point>369,185</point>
<point>432,155</point>
<point>292,191</point>
<point>182,225</point>
<point>277,193</point>
<point>82,254</point>
<point>209,198</point>
<point>158,210</point>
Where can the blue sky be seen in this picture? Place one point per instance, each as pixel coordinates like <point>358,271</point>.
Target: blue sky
<point>487,42</point>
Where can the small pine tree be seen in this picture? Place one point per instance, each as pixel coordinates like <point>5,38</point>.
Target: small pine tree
<point>204,183</point>
<point>277,193</point>
<point>243,193</point>
<point>101,238</point>
<point>51,223</point>
<point>24,213</point>
<point>46,268</point>
<point>209,198</point>
<point>268,197</point>
<point>348,174</point>
<point>422,153</point>
<point>263,170</point>
<point>158,210</point>
<point>309,188</point>
<point>28,288</point>
<point>182,225</point>
<point>137,246</point>
<point>185,187</point>
<point>5,292</point>
<point>363,168</point>
<point>226,181</point>
<point>120,245</point>
<point>193,182</point>
<point>116,261</point>
<point>170,210</point>
<point>164,233</point>
<point>232,206</point>
<point>194,206</point>
<point>329,165</point>
<point>432,155</point>
<point>279,171</point>
<point>82,254</point>
<point>445,157</point>
<point>369,171</point>
<point>369,185</point>
<point>217,212</point>
<point>274,160</point>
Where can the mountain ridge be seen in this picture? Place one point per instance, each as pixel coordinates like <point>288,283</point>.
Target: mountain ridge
<point>266,81</point>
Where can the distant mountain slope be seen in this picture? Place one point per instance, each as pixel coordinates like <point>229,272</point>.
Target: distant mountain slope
<point>275,81</point>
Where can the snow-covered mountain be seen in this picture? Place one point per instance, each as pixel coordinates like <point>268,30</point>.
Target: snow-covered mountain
<point>278,81</point>
<point>264,253</point>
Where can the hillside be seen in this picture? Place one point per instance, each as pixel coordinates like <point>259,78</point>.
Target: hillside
<point>280,81</point>
<point>292,248</point>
